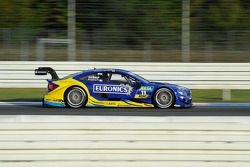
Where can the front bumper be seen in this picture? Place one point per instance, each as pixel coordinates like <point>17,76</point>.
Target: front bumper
<point>184,101</point>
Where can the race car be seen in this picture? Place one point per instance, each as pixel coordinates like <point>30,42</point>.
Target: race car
<point>111,88</point>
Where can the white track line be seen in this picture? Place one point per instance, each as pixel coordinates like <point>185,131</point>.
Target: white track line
<point>20,103</point>
<point>225,104</point>
<point>215,104</point>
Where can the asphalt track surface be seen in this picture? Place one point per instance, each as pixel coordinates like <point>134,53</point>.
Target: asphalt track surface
<point>194,111</point>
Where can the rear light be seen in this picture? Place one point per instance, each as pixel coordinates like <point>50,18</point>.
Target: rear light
<point>52,86</point>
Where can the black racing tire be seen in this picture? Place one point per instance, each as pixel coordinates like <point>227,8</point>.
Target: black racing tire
<point>164,98</point>
<point>75,97</point>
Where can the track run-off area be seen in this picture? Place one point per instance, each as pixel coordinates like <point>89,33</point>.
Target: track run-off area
<point>206,135</point>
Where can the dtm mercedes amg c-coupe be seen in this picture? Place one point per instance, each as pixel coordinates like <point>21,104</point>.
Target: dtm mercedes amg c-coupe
<point>111,88</point>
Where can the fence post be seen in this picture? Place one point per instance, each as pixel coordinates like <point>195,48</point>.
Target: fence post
<point>147,51</point>
<point>39,50</point>
<point>86,51</point>
<point>71,30</point>
<point>226,94</point>
<point>185,30</point>
<point>24,51</point>
<point>209,51</point>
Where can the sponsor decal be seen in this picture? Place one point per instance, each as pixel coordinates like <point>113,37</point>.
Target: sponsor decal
<point>54,100</point>
<point>147,88</point>
<point>116,89</point>
<point>109,103</point>
<point>141,96</point>
<point>93,78</point>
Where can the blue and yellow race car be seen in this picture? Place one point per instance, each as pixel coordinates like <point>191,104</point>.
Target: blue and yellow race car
<point>111,88</point>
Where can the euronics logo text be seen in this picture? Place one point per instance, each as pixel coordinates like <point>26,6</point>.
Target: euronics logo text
<point>119,89</point>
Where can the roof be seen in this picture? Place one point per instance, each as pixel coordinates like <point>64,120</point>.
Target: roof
<point>107,70</point>
<point>90,71</point>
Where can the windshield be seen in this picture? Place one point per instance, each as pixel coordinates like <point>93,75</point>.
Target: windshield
<point>138,76</point>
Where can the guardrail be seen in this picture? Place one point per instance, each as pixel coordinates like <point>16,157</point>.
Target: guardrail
<point>224,76</point>
<point>65,141</point>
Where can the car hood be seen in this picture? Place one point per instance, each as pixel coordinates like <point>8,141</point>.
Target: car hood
<point>161,83</point>
<point>168,84</point>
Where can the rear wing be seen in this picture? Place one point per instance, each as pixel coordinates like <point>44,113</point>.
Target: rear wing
<point>45,71</point>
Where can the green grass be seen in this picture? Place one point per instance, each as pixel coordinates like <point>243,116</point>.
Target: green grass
<point>216,96</point>
<point>21,94</point>
<point>207,95</point>
<point>26,94</point>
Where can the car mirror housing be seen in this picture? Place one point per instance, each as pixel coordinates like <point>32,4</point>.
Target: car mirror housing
<point>137,85</point>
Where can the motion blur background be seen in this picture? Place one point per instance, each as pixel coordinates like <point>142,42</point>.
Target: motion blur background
<point>131,30</point>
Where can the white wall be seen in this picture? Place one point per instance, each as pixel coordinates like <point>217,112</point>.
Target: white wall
<point>107,141</point>
<point>192,75</point>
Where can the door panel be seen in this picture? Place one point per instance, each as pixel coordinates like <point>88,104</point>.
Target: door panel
<point>110,86</point>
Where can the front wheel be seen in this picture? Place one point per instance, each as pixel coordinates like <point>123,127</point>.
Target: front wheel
<point>164,98</point>
<point>75,97</point>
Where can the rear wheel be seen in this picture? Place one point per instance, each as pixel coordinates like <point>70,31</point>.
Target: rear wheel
<point>75,97</point>
<point>164,98</point>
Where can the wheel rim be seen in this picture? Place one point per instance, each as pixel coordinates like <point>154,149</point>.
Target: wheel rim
<point>76,97</point>
<point>164,98</point>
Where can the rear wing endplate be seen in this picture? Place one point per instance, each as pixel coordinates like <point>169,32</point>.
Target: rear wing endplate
<point>45,71</point>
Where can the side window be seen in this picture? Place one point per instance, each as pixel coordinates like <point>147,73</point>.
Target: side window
<point>118,78</point>
<point>96,77</point>
<point>131,80</point>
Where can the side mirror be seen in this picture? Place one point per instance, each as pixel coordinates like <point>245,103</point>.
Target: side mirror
<point>137,85</point>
